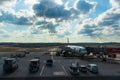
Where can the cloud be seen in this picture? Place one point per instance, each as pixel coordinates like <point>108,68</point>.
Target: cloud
<point>25,13</point>
<point>64,34</point>
<point>20,13</point>
<point>64,30</point>
<point>108,30</point>
<point>115,3</point>
<point>44,8</point>
<point>41,7</point>
<point>106,24</point>
<point>29,31</point>
<point>4,33</point>
<point>30,2</point>
<point>33,30</point>
<point>87,28</point>
<point>1,25</point>
<point>57,12</point>
<point>12,18</point>
<point>50,26</point>
<point>110,18</point>
<point>7,3</point>
<point>84,7</point>
<point>49,9</point>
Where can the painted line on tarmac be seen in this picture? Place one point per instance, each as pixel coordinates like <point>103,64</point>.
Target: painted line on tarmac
<point>42,70</point>
<point>64,70</point>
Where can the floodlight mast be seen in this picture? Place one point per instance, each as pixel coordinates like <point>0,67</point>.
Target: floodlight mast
<point>67,40</point>
<point>103,50</point>
<point>100,41</point>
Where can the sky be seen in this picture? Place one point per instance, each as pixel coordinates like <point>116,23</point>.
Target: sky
<point>58,20</point>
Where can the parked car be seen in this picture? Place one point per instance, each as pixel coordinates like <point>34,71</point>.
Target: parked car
<point>26,52</point>
<point>36,57</point>
<point>83,68</point>
<point>13,55</point>
<point>93,68</point>
<point>34,65</point>
<point>49,62</point>
<point>20,55</point>
<point>10,64</point>
<point>74,68</point>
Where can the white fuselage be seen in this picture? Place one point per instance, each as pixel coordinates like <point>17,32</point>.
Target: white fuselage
<point>77,49</point>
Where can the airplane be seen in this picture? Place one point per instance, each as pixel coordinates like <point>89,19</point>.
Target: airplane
<point>72,50</point>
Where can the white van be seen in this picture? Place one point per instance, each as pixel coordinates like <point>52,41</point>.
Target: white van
<point>93,68</point>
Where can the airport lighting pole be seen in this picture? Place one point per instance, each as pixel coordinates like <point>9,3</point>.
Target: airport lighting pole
<point>101,47</point>
<point>67,40</point>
